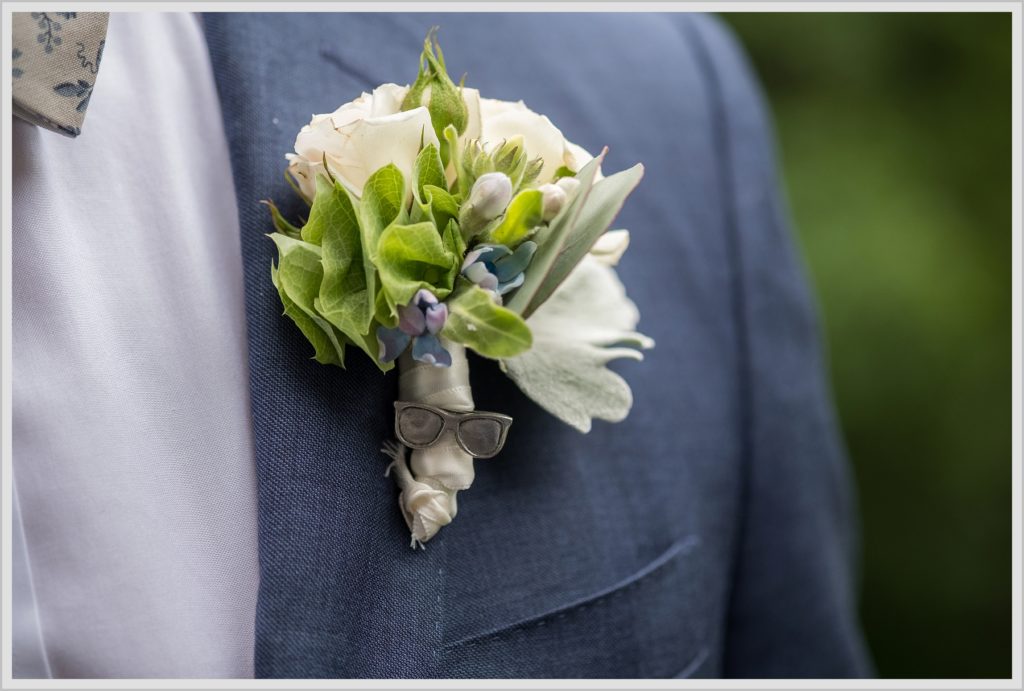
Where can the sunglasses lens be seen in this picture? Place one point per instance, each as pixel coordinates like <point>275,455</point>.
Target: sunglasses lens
<point>482,436</point>
<point>419,425</point>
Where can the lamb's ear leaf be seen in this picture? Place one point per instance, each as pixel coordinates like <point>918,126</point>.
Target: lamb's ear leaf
<point>565,372</point>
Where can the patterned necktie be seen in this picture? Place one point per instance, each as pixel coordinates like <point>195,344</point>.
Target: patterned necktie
<point>55,60</point>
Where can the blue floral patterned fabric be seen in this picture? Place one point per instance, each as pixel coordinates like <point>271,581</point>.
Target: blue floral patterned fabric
<point>55,59</point>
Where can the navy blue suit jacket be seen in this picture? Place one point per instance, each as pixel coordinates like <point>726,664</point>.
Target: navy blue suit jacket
<point>710,534</point>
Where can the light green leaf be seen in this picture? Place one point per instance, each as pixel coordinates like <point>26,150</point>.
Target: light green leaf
<point>384,312</point>
<point>584,325</point>
<point>297,279</point>
<point>427,170</point>
<point>280,223</point>
<point>443,205</point>
<point>564,172</point>
<point>345,300</point>
<point>323,212</point>
<point>477,322</point>
<point>525,212</point>
<point>411,257</point>
<point>450,137</point>
<point>381,206</point>
<point>453,241</point>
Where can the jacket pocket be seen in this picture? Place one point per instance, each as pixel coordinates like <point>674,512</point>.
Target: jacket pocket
<point>647,625</point>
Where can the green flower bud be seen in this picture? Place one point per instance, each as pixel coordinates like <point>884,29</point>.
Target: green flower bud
<point>508,157</point>
<point>434,89</point>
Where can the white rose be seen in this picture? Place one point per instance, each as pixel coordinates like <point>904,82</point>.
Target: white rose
<point>366,134</point>
<point>501,120</point>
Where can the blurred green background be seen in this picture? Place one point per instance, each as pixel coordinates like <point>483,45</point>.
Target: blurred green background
<point>895,138</point>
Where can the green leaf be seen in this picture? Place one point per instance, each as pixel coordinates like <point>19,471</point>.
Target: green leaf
<point>280,224</point>
<point>454,243</point>
<point>443,206</point>
<point>323,211</point>
<point>508,157</point>
<point>564,172</point>
<point>450,137</point>
<point>477,322</point>
<point>384,312</point>
<point>345,299</point>
<point>380,206</point>
<point>297,279</point>
<point>427,170</point>
<point>525,212</point>
<point>573,232</point>
<point>587,323</point>
<point>411,257</point>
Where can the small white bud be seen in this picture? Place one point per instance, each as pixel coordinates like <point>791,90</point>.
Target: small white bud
<point>554,200</point>
<point>490,195</point>
<point>570,185</point>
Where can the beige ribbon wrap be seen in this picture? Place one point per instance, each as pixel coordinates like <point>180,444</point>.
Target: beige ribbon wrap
<point>433,476</point>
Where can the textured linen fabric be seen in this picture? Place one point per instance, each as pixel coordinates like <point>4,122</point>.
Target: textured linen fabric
<point>56,57</point>
<point>710,534</point>
<point>133,458</point>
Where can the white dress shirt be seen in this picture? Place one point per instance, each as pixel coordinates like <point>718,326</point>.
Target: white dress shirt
<point>133,458</point>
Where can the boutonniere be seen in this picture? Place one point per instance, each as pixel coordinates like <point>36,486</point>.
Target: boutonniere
<point>441,221</point>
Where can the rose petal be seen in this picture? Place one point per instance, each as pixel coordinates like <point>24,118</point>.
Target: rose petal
<point>392,343</point>
<point>360,148</point>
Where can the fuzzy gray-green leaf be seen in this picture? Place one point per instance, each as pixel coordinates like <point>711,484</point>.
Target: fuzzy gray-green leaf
<point>602,205</point>
<point>551,240</point>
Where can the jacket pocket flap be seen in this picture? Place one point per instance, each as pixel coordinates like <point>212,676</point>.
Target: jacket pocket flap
<point>637,627</point>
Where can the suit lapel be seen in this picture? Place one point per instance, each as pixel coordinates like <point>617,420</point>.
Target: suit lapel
<point>341,593</point>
